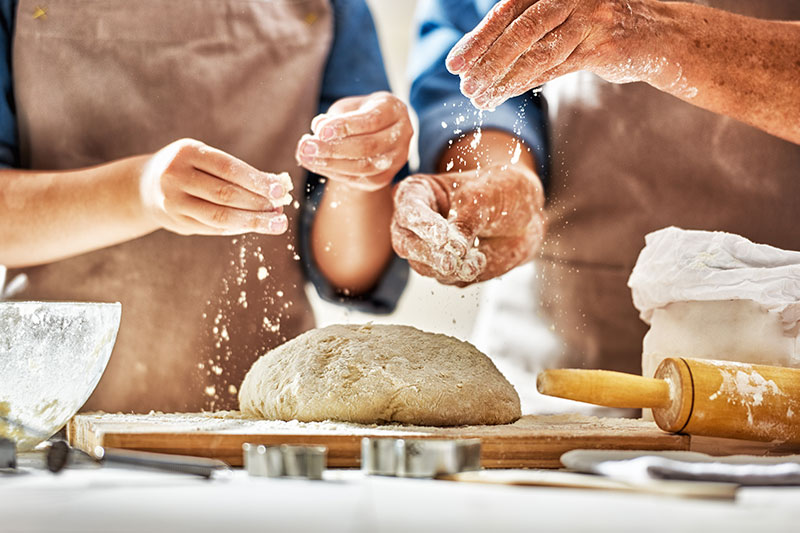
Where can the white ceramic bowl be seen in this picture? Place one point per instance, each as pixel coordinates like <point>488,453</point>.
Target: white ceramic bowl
<point>52,354</point>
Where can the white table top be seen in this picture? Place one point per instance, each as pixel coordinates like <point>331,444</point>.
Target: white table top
<point>106,500</point>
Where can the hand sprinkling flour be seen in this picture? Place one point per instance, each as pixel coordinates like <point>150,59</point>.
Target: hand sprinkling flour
<point>190,188</point>
<point>522,44</point>
<point>739,66</point>
<point>469,225</point>
<point>361,141</point>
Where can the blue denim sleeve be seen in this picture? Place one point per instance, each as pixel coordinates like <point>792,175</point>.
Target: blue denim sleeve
<point>354,67</point>
<point>444,113</point>
<point>9,144</point>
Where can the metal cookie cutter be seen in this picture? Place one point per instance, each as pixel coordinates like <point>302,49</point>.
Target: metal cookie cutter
<point>419,458</point>
<point>8,453</point>
<point>306,462</point>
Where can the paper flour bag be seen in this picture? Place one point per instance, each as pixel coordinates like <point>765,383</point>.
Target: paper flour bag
<point>715,295</point>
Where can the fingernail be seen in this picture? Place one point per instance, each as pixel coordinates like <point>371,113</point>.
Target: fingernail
<point>481,102</point>
<point>469,86</point>
<point>310,148</point>
<point>456,63</point>
<point>276,191</point>
<point>278,224</point>
<point>327,133</point>
<point>468,271</point>
<point>448,264</point>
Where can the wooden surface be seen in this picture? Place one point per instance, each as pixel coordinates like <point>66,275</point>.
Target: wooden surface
<point>531,442</point>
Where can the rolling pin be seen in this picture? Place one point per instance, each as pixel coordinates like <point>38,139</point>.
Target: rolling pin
<point>694,396</point>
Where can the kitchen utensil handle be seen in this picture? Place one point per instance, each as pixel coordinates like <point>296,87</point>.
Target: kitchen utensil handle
<point>198,466</point>
<point>604,387</point>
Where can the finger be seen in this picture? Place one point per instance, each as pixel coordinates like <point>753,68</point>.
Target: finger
<point>426,271</point>
<point>471,266</point>
<point>185,225</point>
<point>381,168</point>
<point>546,55</point>
<point>474,44</point>
<point>469,218</point>
<point>415,209</point>
<point>505,253</point>
<point>229,218</point>
<point>378,112</point>
<point>355,147</point>
<point>343,105</point>
<point>526,31</point>
<point>225,166</point>
<point>316,121</point>
<point>410,246</point>
<point>217,191</point>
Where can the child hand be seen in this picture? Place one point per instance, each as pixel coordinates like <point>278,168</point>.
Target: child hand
<point>362,141</point>
<point>193,189</point>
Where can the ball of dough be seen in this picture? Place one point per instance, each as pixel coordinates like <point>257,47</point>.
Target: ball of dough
<point>376,374</point>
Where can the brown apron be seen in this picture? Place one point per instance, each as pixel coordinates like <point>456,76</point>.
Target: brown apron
<point>627,160</point>
<point>97,80</point>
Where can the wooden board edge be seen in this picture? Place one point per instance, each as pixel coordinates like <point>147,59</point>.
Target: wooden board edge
<point>344,450</point>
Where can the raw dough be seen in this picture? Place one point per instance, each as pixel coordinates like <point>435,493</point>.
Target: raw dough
<point>378,373</point>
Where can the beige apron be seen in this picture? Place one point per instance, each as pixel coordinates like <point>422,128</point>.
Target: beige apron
<point>627,160</point>
<point>97,80</point>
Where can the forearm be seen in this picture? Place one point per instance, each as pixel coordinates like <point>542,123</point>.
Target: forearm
<point>742,67</point>
<point>485,149</point>
<point>350,236</point>
<point>47,216</point>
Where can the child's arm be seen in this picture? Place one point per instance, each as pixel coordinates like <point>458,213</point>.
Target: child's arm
<point>187,187</point>
<point>360,144</point>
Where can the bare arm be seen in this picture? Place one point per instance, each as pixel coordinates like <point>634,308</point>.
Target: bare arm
<point>187,187</point>
<point>350,238</point>
<point>359,145</point>
<point>47,216</point>
<point>743,67</point>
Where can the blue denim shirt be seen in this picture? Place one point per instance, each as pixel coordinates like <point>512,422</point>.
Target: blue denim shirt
<point>354,67</point>
<point>444,113</point>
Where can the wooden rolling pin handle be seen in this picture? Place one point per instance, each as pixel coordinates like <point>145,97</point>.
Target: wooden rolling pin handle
<point>604,387</point>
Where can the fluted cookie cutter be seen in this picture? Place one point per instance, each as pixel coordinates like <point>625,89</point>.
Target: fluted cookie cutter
<point>305,462</point>
<point>419,458</point>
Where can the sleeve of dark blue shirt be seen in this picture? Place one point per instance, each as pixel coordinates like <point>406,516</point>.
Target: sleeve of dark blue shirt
<point>8,120</point>
<point>354,67</point>
<point>444,113</point>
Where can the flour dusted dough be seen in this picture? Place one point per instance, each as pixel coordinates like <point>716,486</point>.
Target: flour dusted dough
<point>378,373</point>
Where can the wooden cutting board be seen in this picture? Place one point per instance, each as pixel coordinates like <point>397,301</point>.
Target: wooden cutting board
<point>531,442</point>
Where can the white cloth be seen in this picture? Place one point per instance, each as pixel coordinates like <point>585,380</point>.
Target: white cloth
<point>679,265</point>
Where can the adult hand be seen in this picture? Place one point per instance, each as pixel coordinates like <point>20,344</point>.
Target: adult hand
<point>362,141</point>
<point>522,44</point>
<point>464,227</point>
<point>192,189</point>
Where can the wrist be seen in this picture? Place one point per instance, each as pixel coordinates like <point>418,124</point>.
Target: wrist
<point>339,188</point>
<point>140,205</point>
<point>659,36</point>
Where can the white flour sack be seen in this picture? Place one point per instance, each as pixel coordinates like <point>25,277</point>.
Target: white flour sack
<point>715,295</point>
